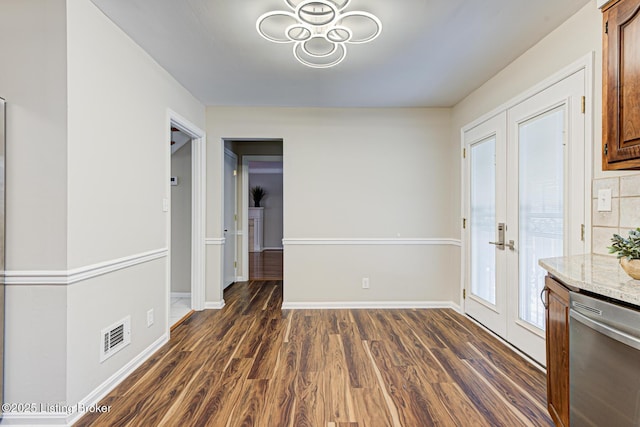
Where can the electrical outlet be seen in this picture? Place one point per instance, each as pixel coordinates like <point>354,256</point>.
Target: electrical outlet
<point>149,318</point>
<point>365,283</point>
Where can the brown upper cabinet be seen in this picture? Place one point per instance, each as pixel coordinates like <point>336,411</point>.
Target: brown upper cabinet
<point>621,85</point>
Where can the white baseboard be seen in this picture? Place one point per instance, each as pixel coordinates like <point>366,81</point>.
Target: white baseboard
<point>95,396</point>
<point>369,304</point>
<point>241,279</point>
<point>180,294</point>
<point>213,305</point>
<point>40,419</point>
<point>66,415</point>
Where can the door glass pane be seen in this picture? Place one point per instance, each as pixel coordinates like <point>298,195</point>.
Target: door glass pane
<point>483,220</point>
<point>541,218</point>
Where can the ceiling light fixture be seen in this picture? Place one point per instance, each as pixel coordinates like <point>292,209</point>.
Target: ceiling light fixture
<point>319,30</point>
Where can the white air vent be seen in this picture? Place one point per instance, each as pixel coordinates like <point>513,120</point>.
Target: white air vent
<point>114,338</point>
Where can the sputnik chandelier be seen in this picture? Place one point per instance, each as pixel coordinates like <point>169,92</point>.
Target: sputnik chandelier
<point>319,30</point>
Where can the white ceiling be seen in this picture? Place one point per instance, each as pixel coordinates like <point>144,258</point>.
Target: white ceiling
<point>431,53</point>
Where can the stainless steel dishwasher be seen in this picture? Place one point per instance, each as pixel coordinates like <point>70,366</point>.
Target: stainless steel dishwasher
<point>604,363</point>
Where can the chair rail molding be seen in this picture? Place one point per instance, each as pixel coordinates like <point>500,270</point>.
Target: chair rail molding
<point>371,241</point>
<point>215,241</point>
<point>69,277</point>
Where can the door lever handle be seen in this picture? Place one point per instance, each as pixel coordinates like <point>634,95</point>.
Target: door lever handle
<point>500,242</point>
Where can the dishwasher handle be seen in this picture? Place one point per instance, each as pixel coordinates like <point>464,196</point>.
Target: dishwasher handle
<point>607,330</point>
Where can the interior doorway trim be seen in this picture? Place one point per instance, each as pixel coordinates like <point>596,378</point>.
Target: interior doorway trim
<point>198,206</point>
<point>245,205</point>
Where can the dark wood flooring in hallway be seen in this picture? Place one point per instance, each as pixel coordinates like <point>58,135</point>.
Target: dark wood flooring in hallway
<point>265,265</point>
<point>253,364</point>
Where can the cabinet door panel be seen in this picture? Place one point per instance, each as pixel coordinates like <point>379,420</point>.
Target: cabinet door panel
<point>621,86</point>
<point>557,311</point>
<point>630,83</point>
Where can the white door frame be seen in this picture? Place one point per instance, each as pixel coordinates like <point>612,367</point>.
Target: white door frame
<point>585,63</point>
<point>198,207</point>
<point>245,205</point>
<point>232,233</point>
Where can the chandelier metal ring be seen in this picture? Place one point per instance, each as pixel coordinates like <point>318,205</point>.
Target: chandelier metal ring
<point>314,22</point>
<point>341,49</point>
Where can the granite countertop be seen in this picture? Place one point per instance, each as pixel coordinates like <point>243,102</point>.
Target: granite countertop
<point>599,274</point>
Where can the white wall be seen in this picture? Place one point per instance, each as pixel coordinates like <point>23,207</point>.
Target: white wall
<point>33,82</point>
<point>88,167</point>
<point>119,169</point>
<point>118,100</point>
<point>181,220</point>
<point>353,174</point>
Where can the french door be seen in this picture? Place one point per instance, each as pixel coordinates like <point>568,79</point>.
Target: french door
<point>525,200</point>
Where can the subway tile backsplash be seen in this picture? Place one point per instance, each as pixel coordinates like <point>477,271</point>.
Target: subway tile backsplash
<point>625,210</point>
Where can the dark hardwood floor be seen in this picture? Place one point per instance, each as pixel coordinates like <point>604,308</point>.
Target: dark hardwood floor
<point>252,364</point>
<point>265,265</point>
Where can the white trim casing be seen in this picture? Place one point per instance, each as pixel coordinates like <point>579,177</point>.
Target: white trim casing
<point>198,205</point>
<point>69,277</point>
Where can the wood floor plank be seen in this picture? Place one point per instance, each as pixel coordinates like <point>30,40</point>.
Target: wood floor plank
<point>392,334</point>
<point>314,344</point>
<point>265,265</point>
<point>488,403</point>
<point>515,395</point>
<point>310,400</point>
<point>365,325</point>
<point>253,364</point>
<point>282,389</point>
<point>459,406</point>
<point>452,334</point>
<point>409,390</point>
<point>433,370</point>
<point>361,374</point>
<point>250,408</point>
<point>264,361</point>
<point>419,322</point>
<point>371,409</point>
<point>222,399</point>
<point>337,388</point>
<point>186,407</point>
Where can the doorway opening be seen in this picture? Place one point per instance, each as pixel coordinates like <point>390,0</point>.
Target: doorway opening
<point>186,206</point>
<point>265,221</point>
<point>181,236</point>
<point>260,230</point>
